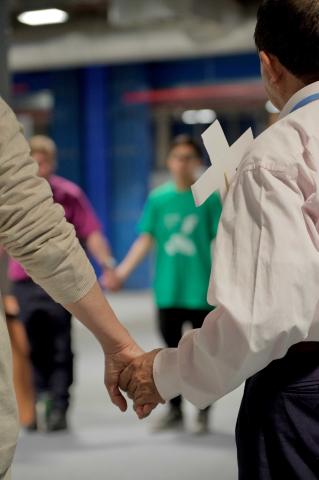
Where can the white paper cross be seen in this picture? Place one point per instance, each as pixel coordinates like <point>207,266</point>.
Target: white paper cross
<point>225,160</point>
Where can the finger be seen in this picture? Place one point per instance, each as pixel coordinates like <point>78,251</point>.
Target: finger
<point>139,411</point>
<point>129,384</point>
<point>144,398</point>
<point>145,410</point>
<point>126,377</point>
<point>149,394</point>
<point>137,408</point>
<point>116,397</point>
<point>130,389</point>
<point>131,397</point>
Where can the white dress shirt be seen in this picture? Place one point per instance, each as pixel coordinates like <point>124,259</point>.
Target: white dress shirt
<point>265,279</point>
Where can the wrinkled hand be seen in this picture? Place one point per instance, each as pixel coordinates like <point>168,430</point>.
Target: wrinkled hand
<point>115,364</point>
<point>137,380</point>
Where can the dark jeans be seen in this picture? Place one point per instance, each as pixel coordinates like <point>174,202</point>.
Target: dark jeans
<point>277,431</point>
<point>171,322</point>
<point>48,327</point>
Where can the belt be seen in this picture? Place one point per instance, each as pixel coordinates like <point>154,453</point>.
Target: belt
<point>305,347</point>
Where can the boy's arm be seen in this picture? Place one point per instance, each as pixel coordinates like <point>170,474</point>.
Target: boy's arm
<point>98,246</point>
<point>140,248</point>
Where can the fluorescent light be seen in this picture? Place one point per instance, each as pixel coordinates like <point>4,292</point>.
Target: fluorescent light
<point>189,117</point>
<point>270,107</point>
<point>194,117</point>
<point>43,17</point>
<point>206,116</point>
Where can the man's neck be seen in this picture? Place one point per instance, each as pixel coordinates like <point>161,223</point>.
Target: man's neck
<point>293,85</point>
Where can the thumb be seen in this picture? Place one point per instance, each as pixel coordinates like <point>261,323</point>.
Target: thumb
<point>111,381</point>
<point>117,397</point>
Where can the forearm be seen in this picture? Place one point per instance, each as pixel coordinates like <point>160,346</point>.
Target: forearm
<point>98,246</point>
<point>137,253</point>
<point>214,360</point>
<point>95,313</point>
<point>208,363</point>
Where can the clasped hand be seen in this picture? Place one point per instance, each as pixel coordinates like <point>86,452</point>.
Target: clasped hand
<point>132,372</point>
<point>138,383</point>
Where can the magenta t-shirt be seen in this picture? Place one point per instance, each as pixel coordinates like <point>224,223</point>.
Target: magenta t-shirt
<point>78,211</point>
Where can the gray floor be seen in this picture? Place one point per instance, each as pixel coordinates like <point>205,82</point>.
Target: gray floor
<point>105,444</point>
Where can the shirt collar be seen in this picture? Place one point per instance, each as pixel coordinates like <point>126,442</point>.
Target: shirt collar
<point>298,97</point>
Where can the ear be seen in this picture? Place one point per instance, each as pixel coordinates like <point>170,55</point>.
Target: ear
<point>271,67</point>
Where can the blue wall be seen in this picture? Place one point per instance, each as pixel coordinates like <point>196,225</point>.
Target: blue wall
<point>106,145</point>
<point>65,126</point>
<point>131,151</point>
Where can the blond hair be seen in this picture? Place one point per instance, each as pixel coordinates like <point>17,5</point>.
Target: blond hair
<point>44,144</point>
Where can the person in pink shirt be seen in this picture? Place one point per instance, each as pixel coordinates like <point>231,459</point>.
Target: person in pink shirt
<point>48,324</point>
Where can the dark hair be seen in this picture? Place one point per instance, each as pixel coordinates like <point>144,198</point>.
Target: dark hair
<point>289,29</point>
<point>186,140</point>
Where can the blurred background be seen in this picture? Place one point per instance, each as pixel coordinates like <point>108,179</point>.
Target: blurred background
<point>112,82</point>
<point>118,79</point>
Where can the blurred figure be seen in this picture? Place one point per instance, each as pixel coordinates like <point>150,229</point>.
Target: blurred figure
<point>48,324</point>
<point>33,230</point>
<point>22,371</point>
<point>182,236</point>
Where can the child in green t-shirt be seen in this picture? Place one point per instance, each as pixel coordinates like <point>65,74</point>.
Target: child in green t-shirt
<point>182,236</point>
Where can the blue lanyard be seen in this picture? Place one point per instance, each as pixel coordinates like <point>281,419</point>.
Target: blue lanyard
<point>306,101</point>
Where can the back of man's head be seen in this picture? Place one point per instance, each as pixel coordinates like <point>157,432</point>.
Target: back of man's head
<point>289,29</point>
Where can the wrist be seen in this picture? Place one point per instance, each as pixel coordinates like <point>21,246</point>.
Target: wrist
<point>126,347</point>
<point>108,263</point>
<point>116,341</point>
<point>122,273</point>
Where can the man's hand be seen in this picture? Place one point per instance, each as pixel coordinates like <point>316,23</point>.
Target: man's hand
<point>115,364</point>
<point>137,380</point>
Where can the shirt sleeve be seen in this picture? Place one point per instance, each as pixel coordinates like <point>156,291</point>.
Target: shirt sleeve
<point>265,282</point>
<point>147,223</point>
<point>84,218</point>
<point>33,229</point>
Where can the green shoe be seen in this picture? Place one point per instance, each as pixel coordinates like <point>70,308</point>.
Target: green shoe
<point>43,409</point>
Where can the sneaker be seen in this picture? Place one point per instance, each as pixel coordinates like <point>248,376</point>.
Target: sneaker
<point>57,421</point>
<point>172,420</point>
<point>42,411</point>
<point>202,423</point>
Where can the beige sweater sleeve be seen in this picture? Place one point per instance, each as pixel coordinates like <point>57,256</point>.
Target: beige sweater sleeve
<point>33,228</point>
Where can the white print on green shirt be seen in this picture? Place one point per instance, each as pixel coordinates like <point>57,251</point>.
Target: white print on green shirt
<point>180,243</point>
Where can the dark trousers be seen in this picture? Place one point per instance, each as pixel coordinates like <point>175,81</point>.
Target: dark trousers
<point>48,327</point>
<point>277,431</point>
<point>171,322</point>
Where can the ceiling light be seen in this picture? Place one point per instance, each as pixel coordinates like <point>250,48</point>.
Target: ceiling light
<point>189,117</point>
<point>270,107</point>
<point>194,117</point>
<point>206,116</point>
<point>43,17</point>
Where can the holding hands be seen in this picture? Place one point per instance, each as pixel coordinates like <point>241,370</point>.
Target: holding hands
<point>131,371</point>
<point>137,380</point>
<point>113,280</point>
